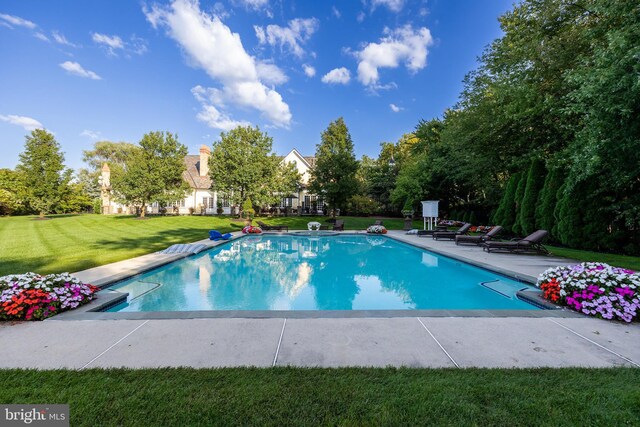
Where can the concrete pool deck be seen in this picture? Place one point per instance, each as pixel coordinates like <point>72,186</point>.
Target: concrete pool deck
<point>557,338</point>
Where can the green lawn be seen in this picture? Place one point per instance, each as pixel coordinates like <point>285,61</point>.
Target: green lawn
<point>353,396</point>
<point>76,242</point>
<point>624,261</point>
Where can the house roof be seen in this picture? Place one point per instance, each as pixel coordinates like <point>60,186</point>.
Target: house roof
<point>192,173</point>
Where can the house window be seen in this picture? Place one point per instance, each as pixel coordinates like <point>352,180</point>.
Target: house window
<point>207,202</point>
<point>224,198</point>
<point>178,204</point>
<point>286,202</point>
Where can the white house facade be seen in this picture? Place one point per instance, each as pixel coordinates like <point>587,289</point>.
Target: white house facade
<point>203,200</point>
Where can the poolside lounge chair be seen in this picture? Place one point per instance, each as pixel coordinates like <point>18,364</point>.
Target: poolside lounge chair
<point>378,222</point>
<point>452,234</point>
<point>531,243</point>
<point>266,227</point>
<point>339,225</point>
<point>478,240</point>
<point>216,235</point>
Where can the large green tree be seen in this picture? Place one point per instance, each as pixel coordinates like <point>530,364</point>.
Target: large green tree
<point>153,172</point>
<point>334,174</point>
<point>12,192</point>
<point>244,167</point>
<point>43,172</point>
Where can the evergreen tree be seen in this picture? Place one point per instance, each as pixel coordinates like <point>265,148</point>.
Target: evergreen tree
<point>517,200</point>
<point>43,172</point>
<point>334,174</point>
<point>534,183</point>
<point>547,201</point>
<point>506,215</point>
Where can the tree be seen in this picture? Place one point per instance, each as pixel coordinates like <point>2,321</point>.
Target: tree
<point>153,172</point>
<point>506,213</point>
<point>113,153</point>
<point>545,218</point>
<point>517,200</point>
<point>334,174</point>
<point>534,183</point>
<point>244,167</point>
<point>12,192</point>
<point>43,171</point>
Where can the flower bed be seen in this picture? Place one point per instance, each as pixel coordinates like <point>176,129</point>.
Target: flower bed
<point>250,229</point>
<point>377,229</point>
<point>595,289</point>
<point>33,297</point>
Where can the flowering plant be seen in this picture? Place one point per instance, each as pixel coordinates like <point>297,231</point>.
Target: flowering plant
<point>595,289</point>
<point>33,297</point>
<point>250,229</point>
<point>377,229</point>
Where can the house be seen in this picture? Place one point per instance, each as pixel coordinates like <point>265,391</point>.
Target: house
<point>203,199</point>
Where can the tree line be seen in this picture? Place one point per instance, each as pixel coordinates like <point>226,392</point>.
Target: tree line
<point>546,133</point>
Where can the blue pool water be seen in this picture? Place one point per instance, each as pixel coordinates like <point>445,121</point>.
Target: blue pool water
<point>346,272</point>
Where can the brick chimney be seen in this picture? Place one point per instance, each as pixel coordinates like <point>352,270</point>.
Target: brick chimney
<point>205,153</point>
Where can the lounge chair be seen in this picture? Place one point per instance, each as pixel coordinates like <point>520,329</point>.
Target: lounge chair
<point>216,235</point>
<point>452,234</point>
<point>378,222</point>
<point>339,225</point>
<point>478,240</point>
<point>531,243</point>
<point>266,227</point>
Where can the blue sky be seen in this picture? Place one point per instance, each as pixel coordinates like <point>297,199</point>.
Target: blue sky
<point>114,70</point>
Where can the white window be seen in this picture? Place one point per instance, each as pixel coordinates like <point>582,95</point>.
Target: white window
<point>224,198</point>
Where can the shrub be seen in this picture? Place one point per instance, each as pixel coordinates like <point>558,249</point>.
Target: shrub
<point>506,213</point>
<point>595,289</point>
<point>247,209</point>
<point>33,297</point>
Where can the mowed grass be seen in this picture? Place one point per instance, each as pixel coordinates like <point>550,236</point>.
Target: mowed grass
<point>350,396</point>
<point>76,242</point>
<point>630,262</point>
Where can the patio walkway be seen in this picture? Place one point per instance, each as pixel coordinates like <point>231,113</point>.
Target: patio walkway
<point>406,341</point>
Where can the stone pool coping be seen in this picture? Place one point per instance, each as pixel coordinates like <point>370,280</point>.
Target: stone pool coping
<point>105,275</point>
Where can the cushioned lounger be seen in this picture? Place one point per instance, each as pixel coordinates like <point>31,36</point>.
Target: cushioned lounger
<point>451,234</point>
<point>477,240</point>
<point>531,243</point>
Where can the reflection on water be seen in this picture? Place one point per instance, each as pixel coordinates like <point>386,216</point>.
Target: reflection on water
<point>316,273</point>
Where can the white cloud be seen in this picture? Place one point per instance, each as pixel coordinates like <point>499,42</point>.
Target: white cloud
<point>309,70</point>
<point>212,46</point>
<point>112,43</point>
<point>17,21</point>
<point>392,5</point>
<point>297,33</point>
<point>61,39</point>
<point>209,114</point>
<point>337,76</point>
<point>270,73</point>
<point>395,108</point>
<point>77,69</point>
<point>42,37</point>
<point>336,12</point>
<point>254,4</point>
<point>402,44</point>
<point>90,134</point>
<point>26,122</point>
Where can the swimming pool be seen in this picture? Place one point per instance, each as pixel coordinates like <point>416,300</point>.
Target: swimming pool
<point>293,272</point>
